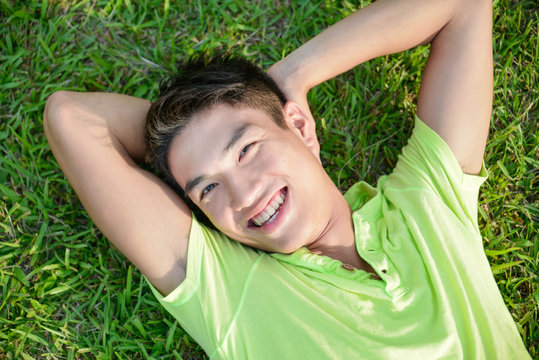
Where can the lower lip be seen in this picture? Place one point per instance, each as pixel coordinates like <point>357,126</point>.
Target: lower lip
<point>279,217</point>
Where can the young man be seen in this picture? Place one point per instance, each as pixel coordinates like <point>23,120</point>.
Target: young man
<point>396,271</point>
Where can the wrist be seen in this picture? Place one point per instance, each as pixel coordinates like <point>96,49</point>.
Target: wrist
<point>287,75</point>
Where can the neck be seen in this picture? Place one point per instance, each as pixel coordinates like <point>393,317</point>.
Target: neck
<point>338,241</point>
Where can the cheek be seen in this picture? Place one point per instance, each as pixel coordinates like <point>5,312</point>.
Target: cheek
<point>275,159</point>
<point>296,160</point>
<point>219,214</point>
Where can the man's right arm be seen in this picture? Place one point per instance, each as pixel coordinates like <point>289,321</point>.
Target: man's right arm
<point>455,98</point>
<point>97,139</point>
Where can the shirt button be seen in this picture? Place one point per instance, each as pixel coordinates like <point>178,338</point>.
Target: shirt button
<point>348,267</point>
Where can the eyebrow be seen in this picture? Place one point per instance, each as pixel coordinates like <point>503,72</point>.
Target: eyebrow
<point>236,136</point>
<point>192,183</point>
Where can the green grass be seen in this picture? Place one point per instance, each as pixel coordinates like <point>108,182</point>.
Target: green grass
<point>66,294</point>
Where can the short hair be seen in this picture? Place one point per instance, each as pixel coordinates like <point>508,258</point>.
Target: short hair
<point>200,83</point>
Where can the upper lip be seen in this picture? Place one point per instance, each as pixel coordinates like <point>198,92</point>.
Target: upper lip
<point>261,205</point>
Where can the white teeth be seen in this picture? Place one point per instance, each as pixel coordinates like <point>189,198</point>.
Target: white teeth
<point>262,218</point>
<point>270,210</point>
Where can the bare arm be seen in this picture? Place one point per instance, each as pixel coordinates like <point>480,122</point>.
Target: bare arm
<point>96,139</point>
<point>456,91</point>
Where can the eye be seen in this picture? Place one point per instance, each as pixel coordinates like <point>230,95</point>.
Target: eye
<point>207,189</point>
<point>244,150</point>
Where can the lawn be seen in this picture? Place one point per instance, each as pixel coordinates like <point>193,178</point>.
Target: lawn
<point>65,293</point>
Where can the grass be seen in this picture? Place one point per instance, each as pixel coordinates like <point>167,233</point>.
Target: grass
<point>66,294</point>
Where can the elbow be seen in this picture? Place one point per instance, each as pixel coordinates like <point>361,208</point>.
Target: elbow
<point>56,110</point>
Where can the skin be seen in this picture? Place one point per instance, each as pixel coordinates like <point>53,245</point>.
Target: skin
<point>98,138</point>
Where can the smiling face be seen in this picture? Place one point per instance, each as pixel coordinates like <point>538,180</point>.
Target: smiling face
<point>258,183</point>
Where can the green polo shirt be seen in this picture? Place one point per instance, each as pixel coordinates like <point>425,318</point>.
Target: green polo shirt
<point>436,297</point>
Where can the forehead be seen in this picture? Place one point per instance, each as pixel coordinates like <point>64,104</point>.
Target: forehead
<point>201,143</point>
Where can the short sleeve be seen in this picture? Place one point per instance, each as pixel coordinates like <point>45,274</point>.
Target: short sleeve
<point>428,163</point>
<point>217,271</point>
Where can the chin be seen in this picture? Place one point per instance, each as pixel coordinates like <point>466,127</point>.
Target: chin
<point>287,249</point>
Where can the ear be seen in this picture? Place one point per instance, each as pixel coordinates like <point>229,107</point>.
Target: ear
<point>300,121</point>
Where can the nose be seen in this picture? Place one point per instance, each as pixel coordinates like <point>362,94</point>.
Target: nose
<point>245,188</point>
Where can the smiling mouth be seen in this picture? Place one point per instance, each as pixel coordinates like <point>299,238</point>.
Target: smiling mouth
<point>271,211</point>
